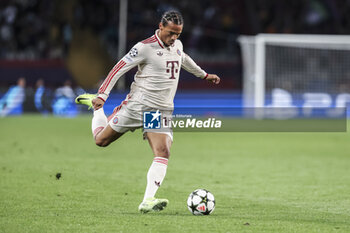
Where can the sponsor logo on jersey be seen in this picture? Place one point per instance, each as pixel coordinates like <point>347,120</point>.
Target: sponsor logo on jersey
<point>152,120</point>
<point>133,52</point>
<point>173,68</point>
<point>178,52</point>
<point>159,53</point>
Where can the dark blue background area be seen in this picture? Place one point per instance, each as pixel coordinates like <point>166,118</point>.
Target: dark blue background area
<point>208,104</point>
<point>195,99</point>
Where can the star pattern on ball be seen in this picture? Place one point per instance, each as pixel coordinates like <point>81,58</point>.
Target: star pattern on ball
<point>202,199</point>
<point>193,207</point>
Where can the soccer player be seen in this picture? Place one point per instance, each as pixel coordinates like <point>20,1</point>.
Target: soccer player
<point>159,59</point>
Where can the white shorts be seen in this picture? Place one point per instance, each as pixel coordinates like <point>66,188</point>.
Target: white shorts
<point>129,116</point>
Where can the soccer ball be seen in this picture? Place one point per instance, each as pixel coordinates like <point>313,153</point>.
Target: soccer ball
<point>201,202</point>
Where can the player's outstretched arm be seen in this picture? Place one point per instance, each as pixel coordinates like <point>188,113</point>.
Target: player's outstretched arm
<point>189,65</point>
<point>213,78</point>
<point>135,57</point>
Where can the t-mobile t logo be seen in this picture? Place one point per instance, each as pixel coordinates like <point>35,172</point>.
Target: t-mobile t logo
<point>172,68</point>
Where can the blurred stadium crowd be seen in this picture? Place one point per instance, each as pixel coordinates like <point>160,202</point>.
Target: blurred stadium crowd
<point>42,32</point>
<point>32,29</point>
<point>41,99</point>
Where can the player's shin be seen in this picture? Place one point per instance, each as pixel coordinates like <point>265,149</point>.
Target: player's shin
<point>99,122</point>
<point>155,176</point>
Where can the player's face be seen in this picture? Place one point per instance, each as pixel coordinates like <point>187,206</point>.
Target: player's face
<point>169,33</point>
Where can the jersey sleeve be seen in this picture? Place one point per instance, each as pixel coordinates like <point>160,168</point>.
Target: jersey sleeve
<point>189,65</point>
<point>133,58</point>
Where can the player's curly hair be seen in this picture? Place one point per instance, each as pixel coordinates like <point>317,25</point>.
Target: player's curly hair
<point>172,16</point>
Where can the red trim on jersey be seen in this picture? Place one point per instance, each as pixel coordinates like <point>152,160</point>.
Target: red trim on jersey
<point>101,98</point>
<point>149,40</point>
<point>116,109</point>
<point>110,76</point>
<point>159,42</point>
<point>206,76</point>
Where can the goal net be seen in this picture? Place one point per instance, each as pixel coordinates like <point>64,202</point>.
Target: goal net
<point>296,70</point>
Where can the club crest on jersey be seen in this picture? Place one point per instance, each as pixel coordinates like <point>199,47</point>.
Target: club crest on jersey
<point>178,52</point>
<point>159,53</point>
<point>133,52</point>
<point>115,120</point>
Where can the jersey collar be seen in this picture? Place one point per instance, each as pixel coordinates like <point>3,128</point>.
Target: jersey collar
<point>160,42</point>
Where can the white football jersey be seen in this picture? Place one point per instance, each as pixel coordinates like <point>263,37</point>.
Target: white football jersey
<point>156,80</point>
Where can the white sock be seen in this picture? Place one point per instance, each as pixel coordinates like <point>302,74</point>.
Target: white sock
<point>155,176</point>
<point>99,121</point>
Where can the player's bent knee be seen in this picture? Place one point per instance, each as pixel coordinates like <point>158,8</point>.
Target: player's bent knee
<point>101,142</point>
<point>163,152</point>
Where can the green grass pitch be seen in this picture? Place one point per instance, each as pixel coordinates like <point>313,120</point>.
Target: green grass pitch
<point>262,182</point>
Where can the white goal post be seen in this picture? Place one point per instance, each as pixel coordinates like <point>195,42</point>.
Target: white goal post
<point>300,63</point>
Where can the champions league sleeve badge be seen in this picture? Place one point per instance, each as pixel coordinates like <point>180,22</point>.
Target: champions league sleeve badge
<point>133,52</point>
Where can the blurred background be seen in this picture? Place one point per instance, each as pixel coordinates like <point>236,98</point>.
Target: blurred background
<point>53,50</point>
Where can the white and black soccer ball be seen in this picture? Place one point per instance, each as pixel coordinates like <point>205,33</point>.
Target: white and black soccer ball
<point>201,202</point>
